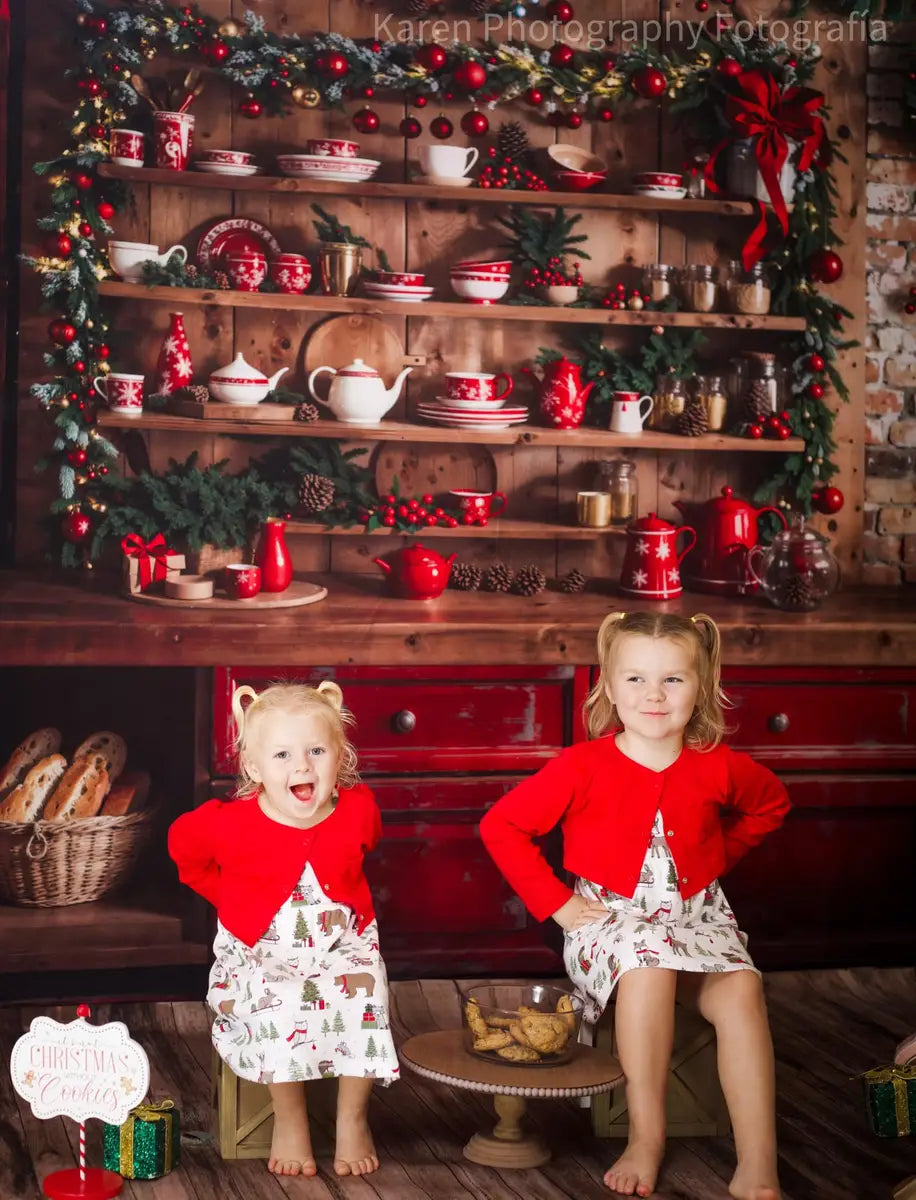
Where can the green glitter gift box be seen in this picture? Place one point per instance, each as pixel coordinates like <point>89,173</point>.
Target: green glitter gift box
<point>890,1099</point>
<point>147,1145</point>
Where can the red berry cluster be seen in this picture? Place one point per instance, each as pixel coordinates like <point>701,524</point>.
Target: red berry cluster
<point>395,512</point>
<point>777,427</point>
<point>508,174</point>
<point>555,273</point>
<point>617,297</point>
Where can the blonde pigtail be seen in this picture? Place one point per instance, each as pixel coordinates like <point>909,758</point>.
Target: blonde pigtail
<point>238,710</point>
<point>598,713</point>
<point>331,693</point>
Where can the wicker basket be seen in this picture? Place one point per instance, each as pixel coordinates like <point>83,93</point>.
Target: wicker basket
<point>49,863</point>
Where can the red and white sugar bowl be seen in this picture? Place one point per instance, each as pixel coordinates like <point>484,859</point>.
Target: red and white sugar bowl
<point>292,273</point>
<point>332,147</point>
<point>651,562</point>
<point>246,270</point>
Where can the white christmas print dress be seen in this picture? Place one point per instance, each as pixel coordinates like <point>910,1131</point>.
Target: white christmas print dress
<point>308,1000</point>
<point>656,928</point>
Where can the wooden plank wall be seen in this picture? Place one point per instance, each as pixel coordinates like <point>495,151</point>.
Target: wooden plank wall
<point>540,482</point>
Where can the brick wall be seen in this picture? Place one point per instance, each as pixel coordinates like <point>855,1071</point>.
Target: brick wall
<point>889,535</point>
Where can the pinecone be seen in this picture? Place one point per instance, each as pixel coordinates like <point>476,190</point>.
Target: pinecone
<point>797,595</point>
<point>221,279</point>
<point>306,412</point>
<point>693,421</point>
<point>512,141</point>
<point>465,577</point>
<point>756,402</point>
<point>497,578</point>
<point>191,272</point>
<point>417,8</point>
<point>573,581</point>
<point>529,580</point>
<point>480,8</point>
<point>316,493</point>
<point>199,392</point>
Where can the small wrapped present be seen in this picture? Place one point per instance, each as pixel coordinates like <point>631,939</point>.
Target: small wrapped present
<point>146,563</point>
<point>147,1145</point>
<point>890,1099</point>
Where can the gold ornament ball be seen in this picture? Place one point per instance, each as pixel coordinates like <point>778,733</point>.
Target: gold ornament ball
<point>81,19</point>
<point>230,29</point>
<point>658,329</point>
<point>305,97</point>
<point>635,303</point>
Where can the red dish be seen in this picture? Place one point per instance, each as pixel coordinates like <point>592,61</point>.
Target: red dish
<point>578,181</point>
<point>658,179</point>
<point>234,235</point>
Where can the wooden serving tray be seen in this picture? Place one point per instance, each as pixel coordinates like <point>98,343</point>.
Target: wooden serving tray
<point>218,410</point>
<point>297,594</point>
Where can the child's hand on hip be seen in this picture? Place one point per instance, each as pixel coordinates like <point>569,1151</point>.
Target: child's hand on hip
<point>577,911</point>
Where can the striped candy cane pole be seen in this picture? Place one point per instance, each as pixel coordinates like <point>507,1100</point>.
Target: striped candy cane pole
<point>83,1012</point>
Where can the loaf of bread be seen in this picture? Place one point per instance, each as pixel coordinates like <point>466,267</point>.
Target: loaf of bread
<point>26,802</point>
<point>81,790</point>
<point>36,746</point>
<point>129,795</point>
<point>111,745</point>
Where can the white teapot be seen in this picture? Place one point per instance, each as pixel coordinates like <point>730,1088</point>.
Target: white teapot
<point>357,395</point>
<point>127,258</point>
<point>241,383</point>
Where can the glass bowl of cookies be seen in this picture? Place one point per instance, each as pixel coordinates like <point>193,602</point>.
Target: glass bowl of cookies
<point>523,1024</point>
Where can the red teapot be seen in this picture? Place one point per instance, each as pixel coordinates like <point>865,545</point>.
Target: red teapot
<point>651,561</point>
<point>416,573</point>
<point>563,394</point>
<point>726,530</point>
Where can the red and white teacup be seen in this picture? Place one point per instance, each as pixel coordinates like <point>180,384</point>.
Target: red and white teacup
<point>477,386</point>
<point>173,134</point>
<point>477,507</point>
<point>332,147</point>
<point>246,271</point>
<point>243,580</point>
<point>126,147</point>
<point>292,273</point>
<point>122,393</point>
<point>227,158</point>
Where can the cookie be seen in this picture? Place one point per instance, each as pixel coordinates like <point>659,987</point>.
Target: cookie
<point>565,1011</point>
<point>476,1023</point>
<point>517,1053</point>
<point>545,1032</point>
<point>494,1040</point>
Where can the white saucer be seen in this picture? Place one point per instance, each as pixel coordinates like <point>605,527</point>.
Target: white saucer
<point>660,193</point>
<point>226,168</point>
<point>456,181</point>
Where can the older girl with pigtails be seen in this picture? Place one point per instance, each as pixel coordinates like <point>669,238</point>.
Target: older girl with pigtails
<point>298,988</point>
<point>654,808</point>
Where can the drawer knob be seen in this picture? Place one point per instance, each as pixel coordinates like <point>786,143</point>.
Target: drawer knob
<point>778,723</point>
<point>405,721</point>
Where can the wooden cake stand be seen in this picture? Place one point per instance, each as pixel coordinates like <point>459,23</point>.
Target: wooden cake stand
<point>442,1056</point>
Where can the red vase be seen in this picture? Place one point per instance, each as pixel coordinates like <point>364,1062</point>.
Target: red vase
<point>272,556</point>
<point>174,369</point>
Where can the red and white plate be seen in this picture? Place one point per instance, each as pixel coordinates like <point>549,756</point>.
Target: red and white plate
<point>443,408</point>
<point>234,235</point>
<point>399,289</point>
<point>317,166</point>
<point>472,422</point>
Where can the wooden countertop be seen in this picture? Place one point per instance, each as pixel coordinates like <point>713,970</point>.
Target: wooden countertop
<point>46,621</point>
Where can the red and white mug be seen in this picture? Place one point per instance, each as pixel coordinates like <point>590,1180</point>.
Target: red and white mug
<point>246,271</point>
<point>126,147</point>
<point>292,273</point>
<point>477,386</point>
<point>173,133</point>
<point>477,507</point>
<point>243,580</point>
<point>332,147</point>
<point>122,393</point>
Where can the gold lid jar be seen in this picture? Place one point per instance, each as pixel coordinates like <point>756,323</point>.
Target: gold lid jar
<point>699,288</point>
<point>748,289</point>
<point>619,480</point>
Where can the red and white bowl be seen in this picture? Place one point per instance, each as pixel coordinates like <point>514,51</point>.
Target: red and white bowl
<point>578,181</point>
<point>500,266</point>
<point>480,290</point>
<point>229,158</point>
<point>332,147</point>
<point>567,157</point>
<point>403,279</point>
<point>657,179</point>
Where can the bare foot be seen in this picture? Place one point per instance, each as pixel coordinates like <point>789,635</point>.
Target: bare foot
<point>755,1184</point>
<point>355,1152</point>
<point>635,1172</point>
<point>291,1151</point>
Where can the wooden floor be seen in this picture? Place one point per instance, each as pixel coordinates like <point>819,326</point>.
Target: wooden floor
<point>827,1026</point>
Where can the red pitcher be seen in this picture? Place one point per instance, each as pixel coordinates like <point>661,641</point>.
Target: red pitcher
<point>272,556</point>
<point>563,395</point>
<point>651,562</point>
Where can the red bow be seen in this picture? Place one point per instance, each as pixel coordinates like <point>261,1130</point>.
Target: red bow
<point>151,557</point>
<point>759,110</point>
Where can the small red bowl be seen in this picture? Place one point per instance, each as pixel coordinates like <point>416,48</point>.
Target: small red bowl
<point>495,267</point>
<point>578,181</point>
<point>658,179</point>
<point>566,157</point>
<point>332,147</point>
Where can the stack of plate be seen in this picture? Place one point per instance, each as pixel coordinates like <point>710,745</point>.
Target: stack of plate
<point>217,168</point>
<point>442,411</point>
<point>396,291</point>
<point>319,166</point>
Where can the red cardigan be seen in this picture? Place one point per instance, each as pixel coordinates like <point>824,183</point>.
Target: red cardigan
<point>247,864</point>
<point>716,805</point>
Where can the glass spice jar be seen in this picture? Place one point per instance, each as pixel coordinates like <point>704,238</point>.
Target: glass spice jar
<point>618,478</point>
<point>709,392</point>
<point>657,281</point>
<point>748,289</point>
<point>762,386</point>
<point>669,399</point>
<point>699,288</point>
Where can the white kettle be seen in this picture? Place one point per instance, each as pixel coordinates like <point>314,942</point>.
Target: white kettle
<point>357,395</point>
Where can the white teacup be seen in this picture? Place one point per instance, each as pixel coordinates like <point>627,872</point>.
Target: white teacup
<point>126,258</point>
<point>453,161</point>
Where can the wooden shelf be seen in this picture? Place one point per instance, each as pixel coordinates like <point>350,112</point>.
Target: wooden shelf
<point>283,185</point>
<point>400,431</point>
<point>517,530</point>
<point>445,308</point>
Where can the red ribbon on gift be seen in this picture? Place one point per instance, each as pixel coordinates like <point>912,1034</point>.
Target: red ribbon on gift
<point>151,557</point>
<point>760,110</point>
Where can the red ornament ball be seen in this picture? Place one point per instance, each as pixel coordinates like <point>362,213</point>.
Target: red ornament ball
<point>573,120</point>
<point>85,229</point>
<point>368,92</point>
<point>475,124</point>
<point>702,5</point>
<point>75,527</point>
<point>729,67</point>
<point>815,363</point>
<point>80,367</point>
<point>825,266</point>
<point>828,500</point>
<point>62,245</point>
<point>83,182</point>
<point>410,127</point>
<point>534,97</point>
<point>251,108</point>
<point>96,131</point>
<point>336,66</point>
<point>78,457</point>
<point>561,55</point>
<point>105,210</point>
<point>93,87</point>
<point>650,83</point>
<point>366,121</point>
<point>103,352</point>
<point>441,128</point>
<point>83,1010</point>
<point>560,10</point>
<point>783,432</point>
<point>432,57</point>
<point>909,308</point>
<point>217,50</point>
<point>62,332</point>
<point>815,390</point>
<point>755,431</point>
<point>420,101</point>
<point>604,113</point>
<point>470,76</point>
